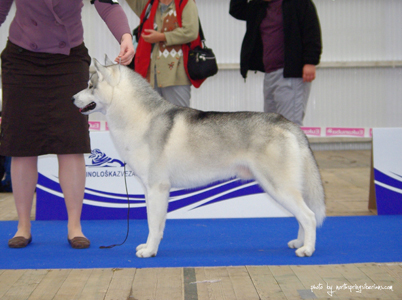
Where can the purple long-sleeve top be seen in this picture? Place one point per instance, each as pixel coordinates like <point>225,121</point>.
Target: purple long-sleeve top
<point>55,26</point>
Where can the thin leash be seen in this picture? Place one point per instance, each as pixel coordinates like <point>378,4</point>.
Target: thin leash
<point>128,215</point>
<point>128,208</point>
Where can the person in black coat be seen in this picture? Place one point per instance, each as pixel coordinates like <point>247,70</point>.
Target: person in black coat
<point>283,40</point>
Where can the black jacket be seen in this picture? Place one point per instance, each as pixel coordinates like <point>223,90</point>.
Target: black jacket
<point>301,30</point>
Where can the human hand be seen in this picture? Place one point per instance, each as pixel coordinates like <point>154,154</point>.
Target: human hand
<point>152,36</point>
<point>308,73</point>
<point>126,50</point>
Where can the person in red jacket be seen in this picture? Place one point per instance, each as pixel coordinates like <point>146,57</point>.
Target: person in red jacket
<point>169,26</point>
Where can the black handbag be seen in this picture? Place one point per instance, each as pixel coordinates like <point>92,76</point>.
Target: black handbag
<point>201,62</point>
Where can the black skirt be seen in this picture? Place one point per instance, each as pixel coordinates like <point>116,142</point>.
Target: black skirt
<point>38,116</point>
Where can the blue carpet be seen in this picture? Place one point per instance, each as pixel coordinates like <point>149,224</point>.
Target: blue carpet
<point>203,243</point>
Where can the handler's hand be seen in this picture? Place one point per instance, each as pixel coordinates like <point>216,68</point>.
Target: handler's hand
<point>308,73</point>
<point>152,36</point>
<point>126,50</point>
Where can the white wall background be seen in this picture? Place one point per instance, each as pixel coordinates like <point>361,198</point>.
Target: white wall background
<point>359,80</point>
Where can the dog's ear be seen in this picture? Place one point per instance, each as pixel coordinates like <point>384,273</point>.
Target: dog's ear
<point>110,74</point>
<point>92,71</point>
<point>108,61</point>
<point>103,73</point>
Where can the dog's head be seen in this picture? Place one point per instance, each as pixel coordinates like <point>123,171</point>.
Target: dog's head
<point>99,93</point>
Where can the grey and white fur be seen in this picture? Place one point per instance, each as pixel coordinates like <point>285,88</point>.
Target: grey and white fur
<point>170,146</point>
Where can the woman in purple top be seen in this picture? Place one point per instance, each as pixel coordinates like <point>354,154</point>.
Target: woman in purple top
<point>44,64</point>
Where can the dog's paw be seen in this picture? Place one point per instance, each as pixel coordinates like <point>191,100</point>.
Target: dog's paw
<point>142,246</point>
<point>295,244</point>
<point>145,252</point>
<point>304,251</point>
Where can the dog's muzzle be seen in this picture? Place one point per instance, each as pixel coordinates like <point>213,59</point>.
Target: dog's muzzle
<point>87,108</point>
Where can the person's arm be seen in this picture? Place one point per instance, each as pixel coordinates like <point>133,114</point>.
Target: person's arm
<point>117,22</point>
<point>238,9</point>
<point>190,27</point>
<point>311,34</point>
<point>5,6</point>
<point>181,35</point>
<point>127,50</point>
<point>308,73</point>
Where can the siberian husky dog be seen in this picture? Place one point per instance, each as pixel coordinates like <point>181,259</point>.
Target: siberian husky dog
<point>169,146</point>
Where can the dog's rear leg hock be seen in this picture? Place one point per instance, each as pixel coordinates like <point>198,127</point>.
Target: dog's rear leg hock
<point>297,243</point>
<point>157,204</point>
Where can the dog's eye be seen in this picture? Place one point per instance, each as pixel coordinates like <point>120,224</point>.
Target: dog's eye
<point>90,85</point>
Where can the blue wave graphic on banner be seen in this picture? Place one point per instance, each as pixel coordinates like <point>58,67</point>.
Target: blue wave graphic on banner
<point>215,192</point>
<point>100,159</point>
<point>387,180</point>
<point>249,190</point>
<point>388,193</point>
<point>49,183</point>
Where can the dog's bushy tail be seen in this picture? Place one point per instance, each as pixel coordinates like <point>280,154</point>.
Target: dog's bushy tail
<point>314,191</point>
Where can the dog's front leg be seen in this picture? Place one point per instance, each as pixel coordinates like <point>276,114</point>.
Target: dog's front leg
<point>157,204</point>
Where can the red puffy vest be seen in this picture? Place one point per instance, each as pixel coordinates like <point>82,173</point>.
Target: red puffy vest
<point>143,54</point>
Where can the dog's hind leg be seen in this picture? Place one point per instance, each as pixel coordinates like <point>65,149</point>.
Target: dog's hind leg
<point>157,198</point>
<point>295,204</point>
<point>286,191</point>
<point>313,195</point>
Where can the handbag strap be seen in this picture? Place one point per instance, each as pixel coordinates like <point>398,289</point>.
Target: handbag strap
<point>200,32</point>
<point>146,16</point>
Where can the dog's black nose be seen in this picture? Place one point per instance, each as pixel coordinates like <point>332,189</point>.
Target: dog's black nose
<point>72,99</point>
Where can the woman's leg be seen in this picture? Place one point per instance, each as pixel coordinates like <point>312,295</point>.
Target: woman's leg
<point>24,176</point>
<point>72,182</point>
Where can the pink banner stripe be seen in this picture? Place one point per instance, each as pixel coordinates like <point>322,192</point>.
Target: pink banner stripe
<point>336,131</point>
<point>312,131</point>
<point>94,125</point>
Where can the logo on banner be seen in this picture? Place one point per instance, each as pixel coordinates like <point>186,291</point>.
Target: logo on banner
<point>312,131</point>
<point>100,159</point>
<point>356,132</point>
<point>103,162</point>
